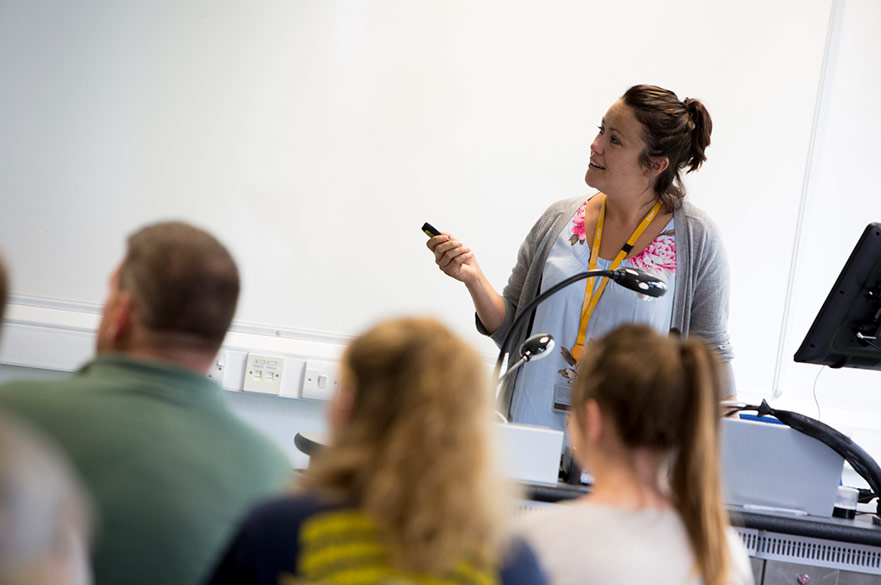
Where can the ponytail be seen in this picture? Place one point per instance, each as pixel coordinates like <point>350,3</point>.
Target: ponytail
<point>662,393</point>
<point>700,135</point>
<point>695,480</point>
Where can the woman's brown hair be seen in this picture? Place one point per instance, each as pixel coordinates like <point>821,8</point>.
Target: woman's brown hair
<point>677,130</point>
<point>662,393</point>
<point>415,454</point>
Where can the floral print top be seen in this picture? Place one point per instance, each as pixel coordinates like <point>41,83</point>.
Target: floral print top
<point>659,257</point>
<point>542,383</point>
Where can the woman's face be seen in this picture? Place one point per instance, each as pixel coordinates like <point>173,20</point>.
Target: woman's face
<point>614,154</point>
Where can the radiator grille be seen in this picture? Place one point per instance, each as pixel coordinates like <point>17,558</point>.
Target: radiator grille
<point>813,551</point>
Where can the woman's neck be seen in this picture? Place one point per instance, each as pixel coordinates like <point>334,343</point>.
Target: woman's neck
<point>630,480</point>
<point>629,210</point>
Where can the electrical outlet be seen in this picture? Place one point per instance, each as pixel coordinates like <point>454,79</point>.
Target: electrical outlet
<point>228,369</point>
<point>217,367</point>
<point>263,373</point>
<point>234,370</point>
<point>320,380</point>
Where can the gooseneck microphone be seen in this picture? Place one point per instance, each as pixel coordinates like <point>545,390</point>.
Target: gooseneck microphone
<point>630,278</point>
<point>534,348</point>
<point>639,281</point>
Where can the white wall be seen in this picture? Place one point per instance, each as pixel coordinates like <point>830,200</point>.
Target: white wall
<point>316,137</point>
<point>841,198</point>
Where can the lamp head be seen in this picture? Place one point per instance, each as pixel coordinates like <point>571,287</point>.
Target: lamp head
<point>537,346</point>
<point>641,282</point>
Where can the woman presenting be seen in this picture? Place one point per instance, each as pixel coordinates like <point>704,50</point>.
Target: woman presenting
<point>639,219</point>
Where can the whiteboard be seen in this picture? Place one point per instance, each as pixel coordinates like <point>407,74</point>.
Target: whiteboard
<point>315,137</point>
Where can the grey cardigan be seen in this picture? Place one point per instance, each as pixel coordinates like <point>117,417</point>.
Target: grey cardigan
<point>700,298</point>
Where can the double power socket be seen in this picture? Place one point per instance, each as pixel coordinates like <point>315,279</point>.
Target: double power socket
<point>280,375</point>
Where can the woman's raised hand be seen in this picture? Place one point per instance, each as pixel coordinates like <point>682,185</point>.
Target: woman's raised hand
<point>457,261</point>
<point>454,258</point>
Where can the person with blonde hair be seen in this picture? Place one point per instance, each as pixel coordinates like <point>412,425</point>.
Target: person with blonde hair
<point>405,489</point>
<point>645,424</point>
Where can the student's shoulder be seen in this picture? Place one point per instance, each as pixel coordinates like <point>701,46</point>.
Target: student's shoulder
<point>521,565</point>
<point>290,511</point>
<point>38,396</point>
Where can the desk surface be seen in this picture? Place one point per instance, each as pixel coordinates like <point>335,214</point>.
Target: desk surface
<point>860,530</point>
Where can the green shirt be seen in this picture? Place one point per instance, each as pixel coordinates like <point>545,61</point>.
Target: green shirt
<point>170,468</point>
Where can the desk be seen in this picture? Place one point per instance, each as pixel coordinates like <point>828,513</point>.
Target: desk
<point>783,548</point>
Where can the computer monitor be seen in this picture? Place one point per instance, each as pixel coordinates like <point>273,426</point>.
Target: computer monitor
<point>847,330</point>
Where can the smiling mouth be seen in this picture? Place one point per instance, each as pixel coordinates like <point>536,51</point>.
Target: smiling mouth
<point>596,166</point>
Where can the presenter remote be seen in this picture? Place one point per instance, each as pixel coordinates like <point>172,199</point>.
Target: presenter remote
<point>430,230</point>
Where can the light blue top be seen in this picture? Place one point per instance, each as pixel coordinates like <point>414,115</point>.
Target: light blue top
<point>700,301</point>
<point>534,389</point>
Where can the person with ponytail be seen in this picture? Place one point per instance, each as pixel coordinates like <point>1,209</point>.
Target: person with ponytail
<point>407,488</point>
<point>645,423</point>
<point>638,218</point>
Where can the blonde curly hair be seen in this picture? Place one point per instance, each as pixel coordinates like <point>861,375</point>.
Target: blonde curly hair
<point>416,452</point>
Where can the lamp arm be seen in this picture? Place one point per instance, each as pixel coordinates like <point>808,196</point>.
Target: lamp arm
<point>527,310</point>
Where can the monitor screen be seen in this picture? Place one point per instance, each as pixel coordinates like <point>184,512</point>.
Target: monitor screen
<point>845,332</point>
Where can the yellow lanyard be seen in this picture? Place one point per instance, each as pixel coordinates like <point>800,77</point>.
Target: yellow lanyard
<point>591,298</point>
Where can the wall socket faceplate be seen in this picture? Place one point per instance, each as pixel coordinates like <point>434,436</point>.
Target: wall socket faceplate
<point>267,373</point>
<point>263,373</point>
<point>320,380</point>
<point>228,369</point>
<point>217,367</point>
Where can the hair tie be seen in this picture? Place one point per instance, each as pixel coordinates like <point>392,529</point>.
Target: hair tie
<point>689,106</point>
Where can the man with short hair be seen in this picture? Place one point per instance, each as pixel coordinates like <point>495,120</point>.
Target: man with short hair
<point>171,469</point>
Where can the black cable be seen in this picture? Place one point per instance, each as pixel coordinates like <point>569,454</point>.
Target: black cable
<point>865,495</point>
<point>735,411</point>
<point>527,310</point>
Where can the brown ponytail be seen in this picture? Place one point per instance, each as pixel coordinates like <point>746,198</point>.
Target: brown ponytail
<point>700,135</point>
<point>695,480</point>
<point>662,393</point>
<point>676,130</point>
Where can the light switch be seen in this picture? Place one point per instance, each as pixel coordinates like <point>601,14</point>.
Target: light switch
<point>320,380</point>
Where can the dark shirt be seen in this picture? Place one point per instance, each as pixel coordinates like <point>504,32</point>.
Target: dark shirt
<point>304,538</point>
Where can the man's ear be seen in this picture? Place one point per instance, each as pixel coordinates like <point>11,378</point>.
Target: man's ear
<point>121,318</point>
